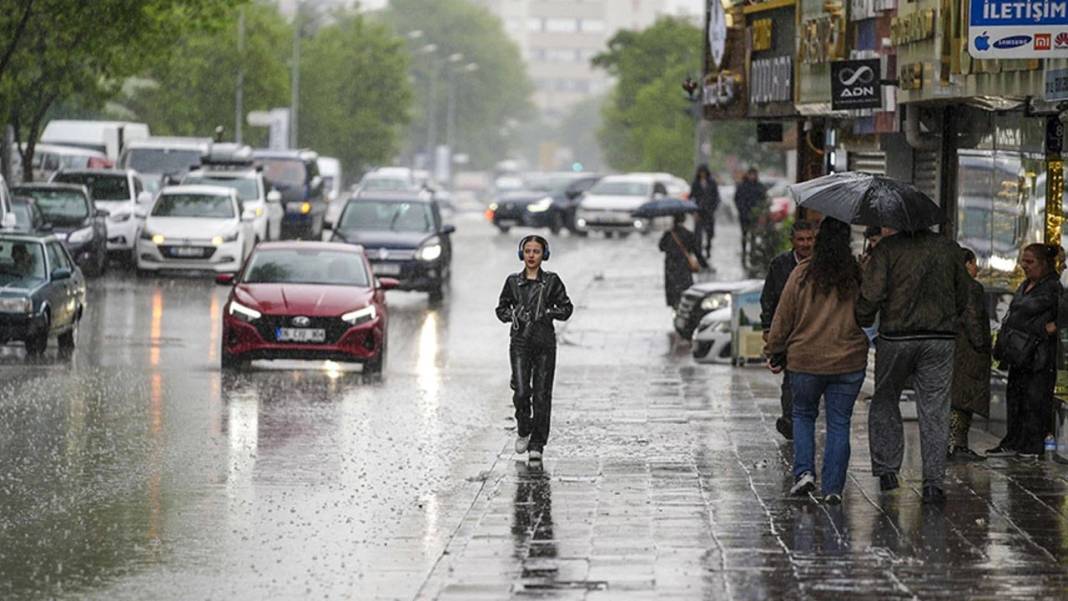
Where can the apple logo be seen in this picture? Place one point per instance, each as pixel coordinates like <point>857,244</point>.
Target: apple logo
<point>982,42</point>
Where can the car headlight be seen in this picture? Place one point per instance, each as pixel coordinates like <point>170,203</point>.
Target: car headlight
<point>429,251</point>
<point>493,207</point>
<point>716,300</point>
<point>16,305</point>
<point>120,217</point>
<point>359,316</point>
<point>220,240</point>
<point>305,208</point>
<point>542,205</point>
<point>80,236</point>
<point>242,312</point>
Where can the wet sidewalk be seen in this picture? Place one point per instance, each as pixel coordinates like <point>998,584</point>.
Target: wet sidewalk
<point>665,479</point>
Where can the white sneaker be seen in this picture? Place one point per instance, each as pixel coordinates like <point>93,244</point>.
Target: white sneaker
<point>521,443</point>
<point>804,485</point>
<point>534,456</point>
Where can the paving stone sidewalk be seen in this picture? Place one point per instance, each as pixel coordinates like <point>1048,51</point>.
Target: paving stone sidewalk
<point>665,479</point>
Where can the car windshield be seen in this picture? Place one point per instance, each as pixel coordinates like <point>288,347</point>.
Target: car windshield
<point>284,171</point>
<point>162,160</point>
<point>21,261</point>
<point>621,188</point>
<point>208,206</point>
<point>385,183</point>
<point>387,216</point>
<point>101,186</point>
<point>247,188</point>
<point>59,207</point>
<point>23,216</point>
<point>306,266</point>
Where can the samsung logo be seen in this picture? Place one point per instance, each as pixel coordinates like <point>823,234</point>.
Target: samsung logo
<point>1012,41</point>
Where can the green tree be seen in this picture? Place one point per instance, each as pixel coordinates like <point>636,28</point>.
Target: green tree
<point>192,88</point>
<point>487,100</point>
<point>354,97</point>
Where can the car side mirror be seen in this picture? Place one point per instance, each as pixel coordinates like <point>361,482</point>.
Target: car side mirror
<point>144,198</point>
<point>9,221</point>
<point>224,279</point>
<point>388,283</point>
<point>103,213</point>
<point>47,227</point>
<point>316,182</point>
<point>62,273</point>
<point>274,196</point>
<point>448,229</point>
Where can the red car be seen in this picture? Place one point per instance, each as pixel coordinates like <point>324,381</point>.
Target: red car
<point>305,300</point>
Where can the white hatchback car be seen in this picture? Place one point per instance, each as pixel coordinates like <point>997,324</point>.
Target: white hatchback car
<point>195,228</point>
<point>712,338</point>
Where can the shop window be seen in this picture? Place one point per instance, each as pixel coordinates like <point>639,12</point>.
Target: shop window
<point>974,203</point>
<point>1007,232</point>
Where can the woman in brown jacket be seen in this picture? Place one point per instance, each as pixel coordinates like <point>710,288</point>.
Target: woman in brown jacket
<point>970,391</point>
<point>814,333</point>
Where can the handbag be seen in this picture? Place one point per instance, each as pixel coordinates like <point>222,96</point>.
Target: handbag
<point>1015,347</point>
<point>695,265</point>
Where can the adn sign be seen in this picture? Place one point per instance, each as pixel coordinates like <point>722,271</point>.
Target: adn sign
<point>1018,29</point>
<point>855,84</point>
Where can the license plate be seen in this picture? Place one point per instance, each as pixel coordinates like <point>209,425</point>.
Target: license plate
<point>187,251</point>
<point>300,335</point>
<point>387,268</point>
<point>507,222</point>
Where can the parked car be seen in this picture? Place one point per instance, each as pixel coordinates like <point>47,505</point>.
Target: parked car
<point>50,158</point>
<point>27,216</point>
<point>712,338</point>
<point>306,300</point>
<point>701,299</point>
<point>195,228</point>
<point>295,173</point>
<point>607,206</point>
<point>547,200</point>
<point>120,192</point>
<point>163,160</point>
<point>232,166</point>
<point>74,220</point>
<point>404,236</point>
<point>42,292</point>
<point>107,137</point>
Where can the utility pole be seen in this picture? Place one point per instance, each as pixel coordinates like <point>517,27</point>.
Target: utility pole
<point>294,91</point>
<point>239,94</point>
<point>431,115</point>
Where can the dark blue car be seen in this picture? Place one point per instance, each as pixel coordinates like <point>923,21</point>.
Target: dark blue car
<point>295,174</point>
<point>70,213</point>
<point>42,291</point>
<point>546,201</point>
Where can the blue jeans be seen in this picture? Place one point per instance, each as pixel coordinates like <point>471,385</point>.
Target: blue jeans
<point>840,392</point>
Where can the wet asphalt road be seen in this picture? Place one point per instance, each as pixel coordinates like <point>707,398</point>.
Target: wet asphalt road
<point>136,469</point>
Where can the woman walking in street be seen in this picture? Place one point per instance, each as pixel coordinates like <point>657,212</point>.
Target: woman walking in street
<point>970,391</point>
<point>682,259</point>
<point>530,301</point>
<point>1027,345</point>
<point>704,191</point>
<point>815,336</point>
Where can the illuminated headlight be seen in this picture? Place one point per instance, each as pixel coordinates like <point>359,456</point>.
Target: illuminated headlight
<point>242,312</point>
<point>580,222</point>
<point>120,217</point>
<point>541,205</point>
<point>16,305</point>
<point>639,224</point>
<point>80,236</point>
<point>493,207</point>
<point>360,315</point>
<point>305,208</point>
<point>715,301</point>
<point>429,252</point>
<point>220,240</point>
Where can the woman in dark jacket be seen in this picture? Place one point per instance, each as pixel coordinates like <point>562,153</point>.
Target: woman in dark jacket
<point>970,391</point>
<point>530,301</point>
<point>704,191</point>
<point>1029,396</point>
<point>676,244</point>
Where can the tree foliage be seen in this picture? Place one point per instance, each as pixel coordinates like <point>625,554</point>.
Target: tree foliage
<point>488,100</point>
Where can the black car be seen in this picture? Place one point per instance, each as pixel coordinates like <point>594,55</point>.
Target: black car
<point>295,173</point>
<point>70,213</point>
<point>42,292</point>
<point>547,201</point>
<point>404,238</point>
<point>27,216</point>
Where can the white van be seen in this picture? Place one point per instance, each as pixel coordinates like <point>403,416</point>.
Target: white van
<point>108,137</point>
<point>157,157</point>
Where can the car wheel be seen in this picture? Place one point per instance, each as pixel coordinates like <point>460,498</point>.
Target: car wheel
<point>504,228</point>
<point>701,349</point>
<point>68,339</point>
<point>231,361</point>
<point>378,364</point>
<point>102,261</point>
<point>556,223</point>
<point>436,293</point>
<point>36,344</point>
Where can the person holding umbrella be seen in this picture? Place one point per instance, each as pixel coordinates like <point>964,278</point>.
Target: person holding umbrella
<point>915,284</point>
<point>682,259</point>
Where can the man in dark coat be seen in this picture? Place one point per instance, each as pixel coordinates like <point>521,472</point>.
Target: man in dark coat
<point>676,244</point>
<point>704,192</point>
<point>803,239</point>
<point>750,197</point>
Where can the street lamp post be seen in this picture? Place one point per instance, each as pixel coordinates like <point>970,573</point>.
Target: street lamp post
<point>450,115</point>
<point>429,50</point>
<point>294,88</point>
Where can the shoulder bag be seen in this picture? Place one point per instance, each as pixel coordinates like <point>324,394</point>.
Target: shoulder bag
<point>695,265</point>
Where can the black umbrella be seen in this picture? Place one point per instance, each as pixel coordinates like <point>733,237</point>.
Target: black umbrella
<point>664,207</point>
<point>865,199</point>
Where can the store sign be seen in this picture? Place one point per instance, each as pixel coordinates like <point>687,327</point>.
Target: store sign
<point>911,76</point>
<point>913,27</point>
<point>1018,29</point>
<point>1056,84</point>
<point>722,92</point>
<point>823,39</point>
<point>762,34</point>
<point>855,84</point>
<point>771,80</point>
<point>717,31</point>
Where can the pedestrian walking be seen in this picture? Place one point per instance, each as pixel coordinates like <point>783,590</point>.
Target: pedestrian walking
<point>815,335</point>
<point>1027,345</point>
<point>915,283</point>
<point>802,238</point>
<point>749,198</point>
<point>682,259</point>
<point>530,301</point>
<point>704,191</point>
<point>970,391</point>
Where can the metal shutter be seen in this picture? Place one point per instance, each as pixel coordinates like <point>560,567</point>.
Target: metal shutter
<point>925,173</point>
<point>867,162</point>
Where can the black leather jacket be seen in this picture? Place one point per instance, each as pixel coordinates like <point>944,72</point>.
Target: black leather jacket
<point>778,272</point>
<point>532,305</point>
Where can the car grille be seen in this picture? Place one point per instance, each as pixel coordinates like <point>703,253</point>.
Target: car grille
<point>178,252</point>
<point>268,325</point>
<point>376,255</point>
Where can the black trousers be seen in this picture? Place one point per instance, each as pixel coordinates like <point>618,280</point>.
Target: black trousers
<point>705,232</point>
<point>533,368</point>
<point>1029,404</point>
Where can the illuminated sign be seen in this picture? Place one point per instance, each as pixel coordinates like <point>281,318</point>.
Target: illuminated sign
<point>762,34</point>
<point>1017,29</point>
